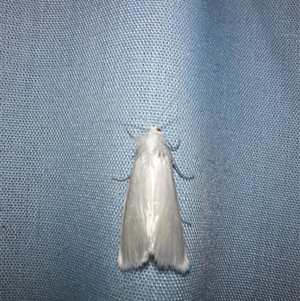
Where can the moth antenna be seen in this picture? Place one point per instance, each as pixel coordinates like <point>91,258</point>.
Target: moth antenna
<point>139,115</point>
<point>172,100</point>
<point>144,120</point>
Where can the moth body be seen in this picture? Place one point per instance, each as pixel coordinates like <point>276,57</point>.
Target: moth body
<point>151,221</point>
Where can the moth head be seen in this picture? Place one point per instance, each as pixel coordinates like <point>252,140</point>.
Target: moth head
<point>155,129</point>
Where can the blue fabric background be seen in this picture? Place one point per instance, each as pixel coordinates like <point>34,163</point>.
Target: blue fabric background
<point>76,74</point>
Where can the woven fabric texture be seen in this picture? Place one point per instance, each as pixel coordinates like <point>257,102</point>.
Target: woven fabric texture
<point>76,74</point>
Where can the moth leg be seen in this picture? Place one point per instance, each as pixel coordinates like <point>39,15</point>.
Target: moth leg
<point>122,180</point>
<point>187,223</point>
<point>174,147</point>
<point>180,173</point>
<point>131,136</point>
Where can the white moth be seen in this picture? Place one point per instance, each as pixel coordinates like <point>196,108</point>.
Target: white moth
<point>151,222</point>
